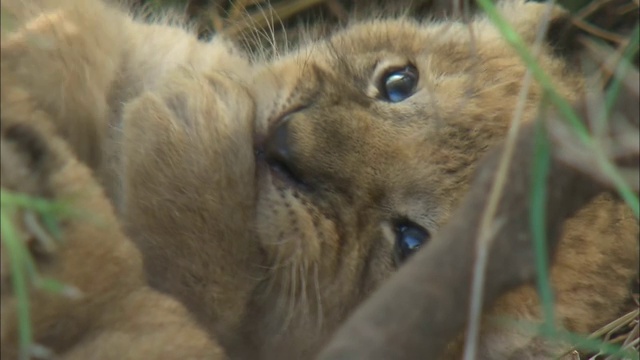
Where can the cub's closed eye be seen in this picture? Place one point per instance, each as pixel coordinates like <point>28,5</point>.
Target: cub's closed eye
<point>397,85</point>
<point>409,238</point>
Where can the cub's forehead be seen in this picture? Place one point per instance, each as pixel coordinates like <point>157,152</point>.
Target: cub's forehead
<point>391,35</point>
<point>363,46</point>
<point>412,38</point>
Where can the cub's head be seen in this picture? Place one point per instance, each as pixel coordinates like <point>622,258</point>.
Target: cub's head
<point>366,141</point>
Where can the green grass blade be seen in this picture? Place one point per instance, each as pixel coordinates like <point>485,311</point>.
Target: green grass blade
<point>512,37</point>
<point>18,256</point>
<point>541,163</point>
<point>41,205</point>
<point>625,64</point>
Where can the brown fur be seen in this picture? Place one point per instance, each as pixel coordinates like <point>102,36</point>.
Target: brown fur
<point>414,158</point>
<point>170,125</point>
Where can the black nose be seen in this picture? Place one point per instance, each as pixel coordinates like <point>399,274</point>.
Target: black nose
<point>277,147</point>
<point>279,154</point>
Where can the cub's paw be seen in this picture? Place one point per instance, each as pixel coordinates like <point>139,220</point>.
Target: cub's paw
<point>31,220</point>
<point>29,213</point>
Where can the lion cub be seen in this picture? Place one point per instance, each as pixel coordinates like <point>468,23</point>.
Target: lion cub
<point>366,142</point>
<point>272,197</point>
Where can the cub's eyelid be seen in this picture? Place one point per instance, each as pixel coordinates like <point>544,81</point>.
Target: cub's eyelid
<point>404,222</point>
<point>288,111</point>
<point>374,90</point>
<point>380,69</point>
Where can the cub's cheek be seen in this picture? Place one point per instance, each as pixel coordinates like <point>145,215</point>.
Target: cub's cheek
<point>291,229</point>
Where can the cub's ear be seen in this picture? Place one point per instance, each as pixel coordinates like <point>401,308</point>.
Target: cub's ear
<point>528,18</point>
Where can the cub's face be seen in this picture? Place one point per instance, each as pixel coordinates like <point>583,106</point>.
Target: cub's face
<point>365,142</point>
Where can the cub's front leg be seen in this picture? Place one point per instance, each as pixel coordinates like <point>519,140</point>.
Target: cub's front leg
<point>189,190</point>
<point>118,316</point>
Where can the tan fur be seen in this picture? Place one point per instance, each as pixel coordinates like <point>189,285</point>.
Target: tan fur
<point>118,316</point>
<point>170,125</point>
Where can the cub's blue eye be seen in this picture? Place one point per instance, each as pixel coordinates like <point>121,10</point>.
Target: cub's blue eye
<point>409,238</point>
<point>398,85</point>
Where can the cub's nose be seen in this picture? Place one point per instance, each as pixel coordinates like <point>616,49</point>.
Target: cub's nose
<point>277,147</point>
<point>279,153</point>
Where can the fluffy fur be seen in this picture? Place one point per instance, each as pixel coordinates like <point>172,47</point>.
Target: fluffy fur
<point>175,130</point>
<point>117,315</point>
